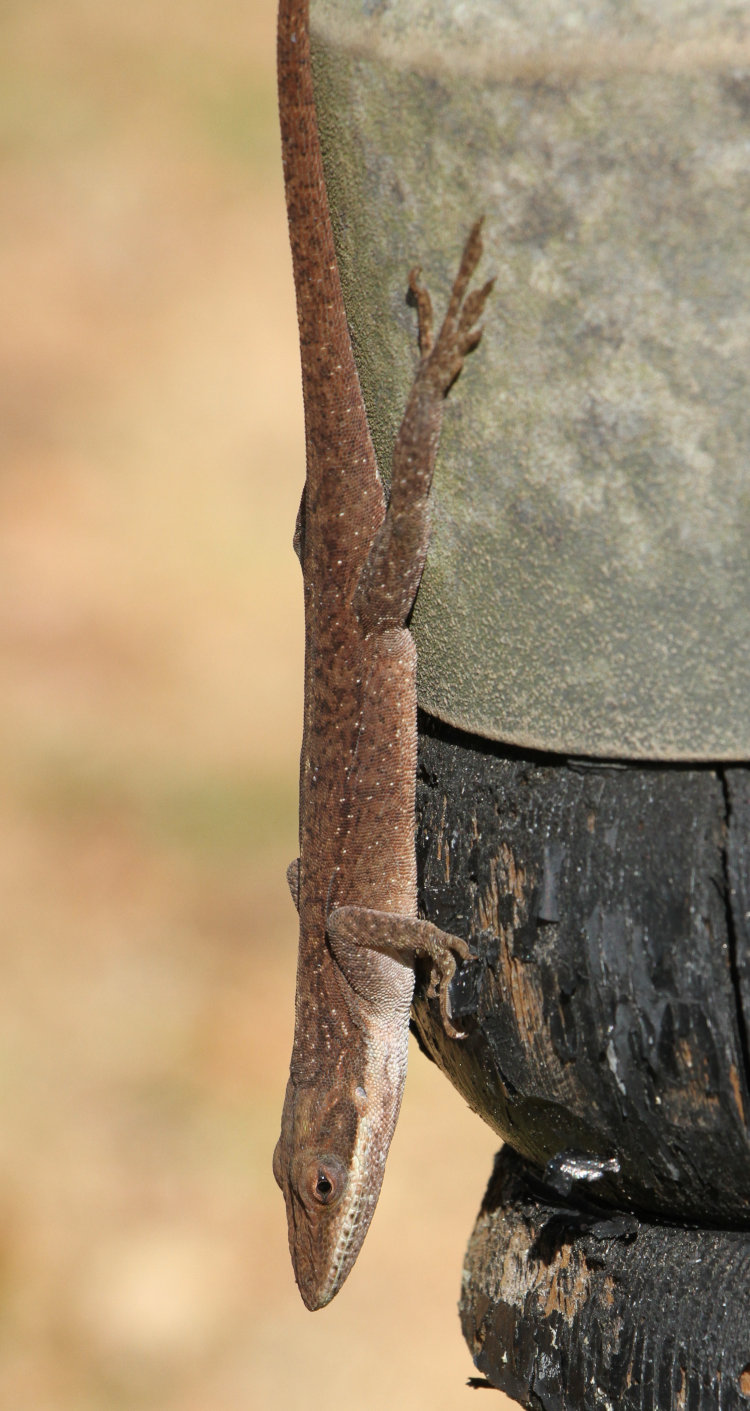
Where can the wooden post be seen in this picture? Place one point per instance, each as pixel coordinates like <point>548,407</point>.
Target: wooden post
<point>607,1015</point>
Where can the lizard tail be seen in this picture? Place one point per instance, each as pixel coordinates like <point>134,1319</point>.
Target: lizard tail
<point>335,422</point>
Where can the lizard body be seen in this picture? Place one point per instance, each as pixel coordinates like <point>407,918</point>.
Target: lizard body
<point>355,882</point>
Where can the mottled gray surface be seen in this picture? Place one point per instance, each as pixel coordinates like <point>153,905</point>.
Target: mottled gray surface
<point>588,588</point>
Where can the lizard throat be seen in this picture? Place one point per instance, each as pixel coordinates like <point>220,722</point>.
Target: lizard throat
<point>356,1213</point>
<point>375,1129</point>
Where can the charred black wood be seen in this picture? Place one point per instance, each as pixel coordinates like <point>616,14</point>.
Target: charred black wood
<point>566,1317</point>
<point>608,1008</point>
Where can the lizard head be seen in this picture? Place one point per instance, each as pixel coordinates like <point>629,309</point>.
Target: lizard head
<point>329,1163</point>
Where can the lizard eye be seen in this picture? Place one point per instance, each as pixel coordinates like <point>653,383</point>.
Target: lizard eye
<point>324,1187</point>
<point>326,1179</point>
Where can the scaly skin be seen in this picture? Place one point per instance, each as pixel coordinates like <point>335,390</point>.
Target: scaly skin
<point>355,883</point>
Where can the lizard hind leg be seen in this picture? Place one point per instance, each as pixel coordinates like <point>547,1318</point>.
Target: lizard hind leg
<point>406,938</point>
<point>390,577</point>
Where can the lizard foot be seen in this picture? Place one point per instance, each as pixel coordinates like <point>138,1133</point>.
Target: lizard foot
<point>443,970</point>
<point>458,334</point>
<point>406,937</point>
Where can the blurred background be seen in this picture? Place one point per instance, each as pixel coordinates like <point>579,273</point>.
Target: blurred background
<point>151,643</point>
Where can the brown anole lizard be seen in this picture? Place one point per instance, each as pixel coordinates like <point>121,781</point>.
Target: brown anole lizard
<point>354,883</point>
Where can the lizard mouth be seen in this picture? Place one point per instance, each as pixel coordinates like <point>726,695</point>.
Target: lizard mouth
<point>354,1224</point>
<point>332,1239</point>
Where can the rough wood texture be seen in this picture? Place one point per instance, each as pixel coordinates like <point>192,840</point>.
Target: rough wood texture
<point>609,1006</point>
<point>560,1317</point>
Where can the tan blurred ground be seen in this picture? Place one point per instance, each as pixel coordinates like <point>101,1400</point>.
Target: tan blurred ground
<point>150,636</point>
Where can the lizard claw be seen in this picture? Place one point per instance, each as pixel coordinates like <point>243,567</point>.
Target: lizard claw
<point>424,311</point>
<point>472,254</point>
<point>443,970</point>
<point>468,336</point>
<point>459,334</point>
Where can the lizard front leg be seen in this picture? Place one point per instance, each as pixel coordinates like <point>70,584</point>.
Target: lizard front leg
<point>352,929</point>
